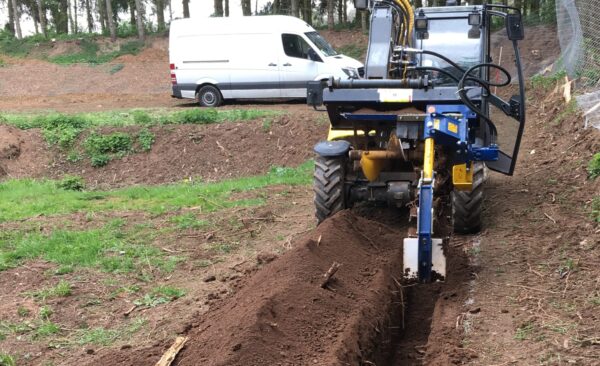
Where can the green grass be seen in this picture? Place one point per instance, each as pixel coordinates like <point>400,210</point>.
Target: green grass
<point>146,139</point>
<point>594,166</point>
<point>110,249</point>
<point>595,214</point>
<point>71,183</point>
<point>102,148</point>
<point>46,329</point>
<point>188,221</point>
<point>568,111</point>
<point>90,53</point>
<point>546,82</point>
<point>25,198</point>
<point>159,295</point>
<point>62,289</point>
<point>105,337</point>
<point>524,332</point>
<point>57,123</point>
<point>7,360</point>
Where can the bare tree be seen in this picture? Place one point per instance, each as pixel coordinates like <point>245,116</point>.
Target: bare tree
<point>330,6</point>
<point>17,13</point>
<point>295,9</point>
<point>139,7</point>
<point>246,7</point>
<point>111,21</point>
<point>186,8</point>
<point>226,8</point>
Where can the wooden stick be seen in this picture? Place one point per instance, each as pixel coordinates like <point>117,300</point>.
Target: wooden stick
<point>168,357</point>
<point>329,274</point>
<point>130,310</point>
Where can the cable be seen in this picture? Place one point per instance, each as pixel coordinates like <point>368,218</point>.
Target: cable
<point>430,68</point>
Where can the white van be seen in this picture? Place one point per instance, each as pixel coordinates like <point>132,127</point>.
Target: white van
<point>250,57</point>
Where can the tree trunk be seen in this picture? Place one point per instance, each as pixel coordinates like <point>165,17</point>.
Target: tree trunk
<point>364,16</point>
<point>276,6</point>
<point>345,12</point>
<point>111,21</point>
<point>131,4</point>
<point>246,7</point>
<point>186,8</point>
<point>70,16</point>
<point>218,8</point>
<point>139,7</point>
<point>295,9</point>
<point>330,6</point>
<point>535,9</point>
<point>226,8</point>
<point>340,9</point>
<point>76,28</point>
<point>42,15</point>
<point>11,17</point>
<point>17,19</point>
<point>101,8</point>
<point>308,11</point>
<point>160,14</point>
<point>35,23</point>
<point>89,16</point>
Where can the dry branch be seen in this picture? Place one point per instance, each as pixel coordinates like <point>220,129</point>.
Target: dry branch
<point>168,357</point>
<point>329,274</point>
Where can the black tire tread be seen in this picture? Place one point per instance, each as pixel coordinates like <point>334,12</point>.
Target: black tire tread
<point>467,206</point>
<point>328,185</point>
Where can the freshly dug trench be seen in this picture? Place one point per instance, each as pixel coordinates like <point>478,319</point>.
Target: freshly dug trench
<point>282,315</point>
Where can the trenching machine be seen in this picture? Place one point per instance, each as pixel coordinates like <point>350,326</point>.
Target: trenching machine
<point>422,118</point>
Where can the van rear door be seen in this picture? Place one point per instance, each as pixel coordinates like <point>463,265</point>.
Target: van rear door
<point>297,68</point>
<point>254,68</point>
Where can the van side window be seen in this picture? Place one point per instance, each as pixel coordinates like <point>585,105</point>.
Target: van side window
<point>296,46</point>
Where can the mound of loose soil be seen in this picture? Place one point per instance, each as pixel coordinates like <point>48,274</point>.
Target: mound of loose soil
<point>22,153</point>
<point>206,152</point>
<point>282,316</point>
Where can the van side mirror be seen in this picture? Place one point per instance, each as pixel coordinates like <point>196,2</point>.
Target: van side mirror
<point>361,4</point>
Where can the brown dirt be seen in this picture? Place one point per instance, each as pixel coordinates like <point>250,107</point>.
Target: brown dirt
<point>282,315</point>
<point>539,50</point>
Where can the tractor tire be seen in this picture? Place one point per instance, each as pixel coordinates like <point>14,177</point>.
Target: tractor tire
<point>209,96</point>
<point>467,206</point>
<point>328,184</point>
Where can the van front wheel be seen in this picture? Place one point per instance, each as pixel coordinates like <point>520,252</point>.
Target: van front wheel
<point>209,96</point>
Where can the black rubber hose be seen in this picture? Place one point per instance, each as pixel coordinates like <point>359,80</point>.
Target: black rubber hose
<point>445,72</point>
<point>463,94</point>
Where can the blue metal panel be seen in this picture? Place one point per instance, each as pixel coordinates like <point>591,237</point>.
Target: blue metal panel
<point>425,230</point>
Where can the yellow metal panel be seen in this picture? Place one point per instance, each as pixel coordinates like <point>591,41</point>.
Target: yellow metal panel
<point>428,159</point>
<point>342,134</point>
<point>371,167</point>
<point>461,178</point>
<point>395,95</point>
<point>452,127</point>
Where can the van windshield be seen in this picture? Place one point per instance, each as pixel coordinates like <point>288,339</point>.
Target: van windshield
<point>321,43</point>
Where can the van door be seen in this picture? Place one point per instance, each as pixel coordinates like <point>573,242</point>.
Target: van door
<point>296,66</point>
<point>254,70</point>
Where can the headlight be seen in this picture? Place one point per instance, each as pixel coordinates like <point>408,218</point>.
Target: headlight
<point>351,72</point>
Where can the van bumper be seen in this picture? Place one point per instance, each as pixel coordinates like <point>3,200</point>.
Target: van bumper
<point>176,92</point>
